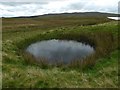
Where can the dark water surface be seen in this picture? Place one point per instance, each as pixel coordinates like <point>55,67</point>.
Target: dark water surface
<point>59,50</point>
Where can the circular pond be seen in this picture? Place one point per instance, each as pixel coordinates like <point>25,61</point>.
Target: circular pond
<point>55,51</point>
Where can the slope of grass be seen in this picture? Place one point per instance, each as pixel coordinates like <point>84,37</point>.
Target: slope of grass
<point>103,74</point>
<point>18,73</point>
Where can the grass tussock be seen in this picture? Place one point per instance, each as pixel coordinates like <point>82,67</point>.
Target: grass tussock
<point>103,43</point>
<point>20,71</point>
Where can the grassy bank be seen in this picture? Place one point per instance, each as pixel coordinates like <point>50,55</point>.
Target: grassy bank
<point>96,39</point>
<point>19,73</point>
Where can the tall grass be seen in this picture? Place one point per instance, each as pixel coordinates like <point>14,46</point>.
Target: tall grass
<point>103,43</point>
<point>19,71</point>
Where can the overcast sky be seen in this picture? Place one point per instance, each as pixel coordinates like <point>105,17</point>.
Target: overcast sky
<point>14,8</point>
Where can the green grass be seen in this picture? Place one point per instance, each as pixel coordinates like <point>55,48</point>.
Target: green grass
<point>19,73</point>
<point>34,76</point>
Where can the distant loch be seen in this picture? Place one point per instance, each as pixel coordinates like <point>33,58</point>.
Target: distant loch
<point>114,18</point>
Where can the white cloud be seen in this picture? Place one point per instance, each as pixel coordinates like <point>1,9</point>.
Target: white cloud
<point>9,9</point>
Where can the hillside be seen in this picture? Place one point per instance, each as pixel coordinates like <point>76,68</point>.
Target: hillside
<point>20,71</point>
<point>75,14</point>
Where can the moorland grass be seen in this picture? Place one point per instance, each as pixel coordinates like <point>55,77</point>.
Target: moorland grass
<point>19,73</point>
<point>103,43</point>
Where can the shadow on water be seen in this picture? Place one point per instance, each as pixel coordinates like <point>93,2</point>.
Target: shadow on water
<point>55,51</point>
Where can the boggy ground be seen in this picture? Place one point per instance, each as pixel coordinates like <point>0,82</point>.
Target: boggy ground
<point>101,71</point>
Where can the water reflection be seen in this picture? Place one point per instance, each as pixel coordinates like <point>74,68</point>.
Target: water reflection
<point>59,50</point>
<point>114,18</point>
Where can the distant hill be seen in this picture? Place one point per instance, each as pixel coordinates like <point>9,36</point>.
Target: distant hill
<point>76,14</point>
<point>48,21</point>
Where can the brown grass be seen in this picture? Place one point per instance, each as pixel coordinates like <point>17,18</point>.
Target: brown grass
<point>103,43</point>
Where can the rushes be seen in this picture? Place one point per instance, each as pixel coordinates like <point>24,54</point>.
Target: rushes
<point>30,75</point>
<point>103,43</point>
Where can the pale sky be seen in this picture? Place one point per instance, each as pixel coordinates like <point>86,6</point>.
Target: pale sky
<point>14,8</point>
